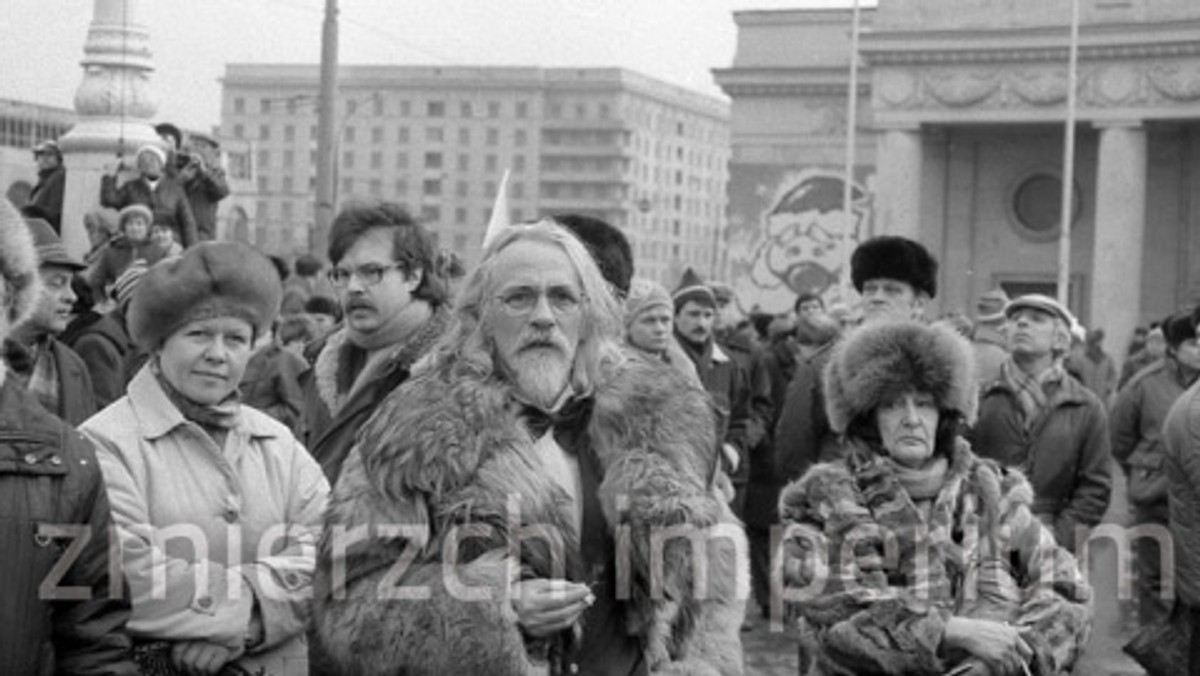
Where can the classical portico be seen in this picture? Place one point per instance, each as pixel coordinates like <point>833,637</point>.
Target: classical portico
<point>983,90</point>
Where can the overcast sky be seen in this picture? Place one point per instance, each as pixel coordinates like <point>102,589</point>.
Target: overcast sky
<point>680,41</point>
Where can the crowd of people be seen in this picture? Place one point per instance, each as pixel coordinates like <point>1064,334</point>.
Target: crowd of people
<point>218,461</point>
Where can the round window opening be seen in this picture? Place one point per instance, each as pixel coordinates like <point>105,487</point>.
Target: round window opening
<point>1036,206</point>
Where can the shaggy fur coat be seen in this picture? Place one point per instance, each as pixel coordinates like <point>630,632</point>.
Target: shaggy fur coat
<point>418,554</point>
<point>978,553</point>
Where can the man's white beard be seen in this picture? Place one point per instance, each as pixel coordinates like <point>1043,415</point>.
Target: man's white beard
<point>542,375</point>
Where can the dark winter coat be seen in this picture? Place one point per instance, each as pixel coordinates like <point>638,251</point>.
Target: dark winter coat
<point>1065,453</point>
<point>326,429</point>
<point>1181,436</point>
<point>448,449</point>
<point>49,476</point>
<point>167,200</point>
<point>47,195</point>
<point>271,384</point>
<point>977,553</point>
<point>204,190</point>
<point>1136,423</point>
<point>803,436</point>
<point>111,356</point>
<point>76,398</point>
<point>729,385</point>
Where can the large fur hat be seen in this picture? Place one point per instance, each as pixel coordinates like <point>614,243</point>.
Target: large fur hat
<point>210,279</point>
<point>879,360</point>
<point>891,257</point>
<point>18,267</point>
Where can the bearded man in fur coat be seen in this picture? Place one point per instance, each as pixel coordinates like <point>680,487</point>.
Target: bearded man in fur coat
<point>912,556</point>
<point>534,500</point>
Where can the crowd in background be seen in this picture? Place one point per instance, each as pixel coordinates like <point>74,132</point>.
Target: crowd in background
<point>165,380</point>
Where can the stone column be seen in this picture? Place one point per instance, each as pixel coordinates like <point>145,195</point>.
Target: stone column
<point>900,159</point>
<point>114,108</point>
<point>1116,273</point>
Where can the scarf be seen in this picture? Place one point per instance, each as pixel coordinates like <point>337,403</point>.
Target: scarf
<point>922,483</point>
<point>1033,392</point>
<point>215,419</point>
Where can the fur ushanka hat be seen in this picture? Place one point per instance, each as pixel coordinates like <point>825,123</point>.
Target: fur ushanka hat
<point>878,361</point>
<point>210,279</point>
<point>18,267</point>
<point>892,257</point>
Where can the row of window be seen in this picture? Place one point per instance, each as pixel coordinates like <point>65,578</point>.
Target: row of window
<point>491,136</point>
<point>24,133</point>
<point>432,160</point>
<point>378,105</point>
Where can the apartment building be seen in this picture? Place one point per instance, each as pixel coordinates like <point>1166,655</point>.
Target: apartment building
<point>649,157</point>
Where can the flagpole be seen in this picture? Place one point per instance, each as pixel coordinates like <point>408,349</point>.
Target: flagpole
<point>851,141</point>
<point>1068,180</point>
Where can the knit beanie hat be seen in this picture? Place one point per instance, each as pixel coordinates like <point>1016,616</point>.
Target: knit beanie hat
<point>210,279</point>
<point>135,210</point>
<point>692,288</point>
<point>891,257</point>
<point>643,295</point>
<point>122,288</point>
<point>18,267</point>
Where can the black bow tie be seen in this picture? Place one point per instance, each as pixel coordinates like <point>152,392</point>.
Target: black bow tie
<point>568,422</point>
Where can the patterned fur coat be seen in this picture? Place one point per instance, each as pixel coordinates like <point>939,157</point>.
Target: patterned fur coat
<point>978,552</point>
<point>417,557</point>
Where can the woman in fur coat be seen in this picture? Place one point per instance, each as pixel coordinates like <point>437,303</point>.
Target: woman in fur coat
<point>912,555</point>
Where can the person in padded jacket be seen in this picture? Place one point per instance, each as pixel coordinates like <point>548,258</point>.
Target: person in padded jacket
<point>57,602</point>
<point>1040,419</point>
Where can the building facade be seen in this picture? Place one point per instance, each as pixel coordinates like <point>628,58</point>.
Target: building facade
<point>962,134</point>
<point>647,156</point>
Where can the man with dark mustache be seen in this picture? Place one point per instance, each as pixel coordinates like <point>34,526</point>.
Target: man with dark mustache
<point>393,303</point>
<point>722,376</point>
<point>477,524</point>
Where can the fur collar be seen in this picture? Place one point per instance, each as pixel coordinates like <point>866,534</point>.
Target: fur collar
<point>328,364</point>
<point>440,432</point>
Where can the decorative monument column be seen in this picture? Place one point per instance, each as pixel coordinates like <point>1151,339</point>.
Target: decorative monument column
<point>1120,231</point>
<point>900,160</point>
<point>114,107</point>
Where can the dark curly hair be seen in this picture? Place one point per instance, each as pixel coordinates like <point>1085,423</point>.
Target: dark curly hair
<point>412,243</point>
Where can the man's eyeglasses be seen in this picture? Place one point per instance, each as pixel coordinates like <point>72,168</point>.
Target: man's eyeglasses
<point>370,273</point>
<point>520,302</point>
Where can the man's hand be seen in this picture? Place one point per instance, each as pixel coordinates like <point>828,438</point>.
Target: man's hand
<point>201,658</point>
<point>546,606</point>
<point>999,645</point>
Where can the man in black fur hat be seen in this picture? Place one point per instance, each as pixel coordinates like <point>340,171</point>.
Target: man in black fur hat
<point>896,277</point>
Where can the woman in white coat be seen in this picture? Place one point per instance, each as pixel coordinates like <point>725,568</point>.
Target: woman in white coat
<point>217,506</point>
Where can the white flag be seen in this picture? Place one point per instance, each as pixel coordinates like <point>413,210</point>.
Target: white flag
<point>499,219</point>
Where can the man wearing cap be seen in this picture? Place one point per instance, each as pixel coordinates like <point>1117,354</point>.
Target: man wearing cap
<point>45,366</point>
<point>49,475</point>
<point>1040,419</point>
<point>896,277</point>
<point>988,342</point>
<point>723,378</point>
<point>1136,423</point>
<point>47,195</point>
<point>155,189</point>
<point>111,355</point>
<point>204,183</point>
